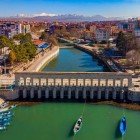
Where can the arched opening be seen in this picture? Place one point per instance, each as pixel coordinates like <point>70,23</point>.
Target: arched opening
<point>35,82</point>
<point>28,81</point>
<point>43,82</point>
<point>87,82</point>
<point>125,82</point>
<point>21,81</point>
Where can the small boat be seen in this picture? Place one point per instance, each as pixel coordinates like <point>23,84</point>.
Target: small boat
<point>3,105</point>
<point>12,107</point>
<point>2,127</point>
<point>123,126</point>
<point>4,110</point>
<point>78,125</point>
<point>4,123</point>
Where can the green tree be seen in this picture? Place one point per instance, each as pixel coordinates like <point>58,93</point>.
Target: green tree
<point>4,42</point>
<point>43,36</point>
<point>12,57</point>
<point>121,42</point>
<point>30,50</point>
<point>23,38</point>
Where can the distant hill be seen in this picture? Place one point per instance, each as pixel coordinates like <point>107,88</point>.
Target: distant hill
<point>65,18</point>
<point>78,18</point>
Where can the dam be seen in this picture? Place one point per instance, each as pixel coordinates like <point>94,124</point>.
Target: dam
<point>95,83</point>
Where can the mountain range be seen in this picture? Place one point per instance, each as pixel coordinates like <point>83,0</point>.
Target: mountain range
<point>64,18</point>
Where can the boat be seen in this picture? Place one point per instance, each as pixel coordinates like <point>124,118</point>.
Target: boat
<point>4,123</point>
<point>6,109</point>
<point>123,126</point>
<point>2,127</point>
<point>12,107</point>
<point>78,125</point>
<point>3,105</point>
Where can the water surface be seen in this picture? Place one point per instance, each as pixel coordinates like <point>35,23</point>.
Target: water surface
<point>75,60</point>
<point>55,122</point>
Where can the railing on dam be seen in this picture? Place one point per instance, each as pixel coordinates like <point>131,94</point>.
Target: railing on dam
<point>73,79</point>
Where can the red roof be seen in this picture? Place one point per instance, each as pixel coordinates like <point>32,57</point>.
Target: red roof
<point>38,42</point>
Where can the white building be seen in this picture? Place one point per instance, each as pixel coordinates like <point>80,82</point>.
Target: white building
<point>102,35</point>
<point>10,29</point>
<point>26,29</point>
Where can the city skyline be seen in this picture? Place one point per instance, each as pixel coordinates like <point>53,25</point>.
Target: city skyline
<point>108,8</point>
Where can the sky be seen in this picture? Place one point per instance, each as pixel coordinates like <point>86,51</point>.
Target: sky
<point>108,8</point>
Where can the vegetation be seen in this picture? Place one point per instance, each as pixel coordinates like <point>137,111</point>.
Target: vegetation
<point>52,39</point>
<point>5,42</point>
<point>19,53</point>
<point>12,57</point>
<point>26,50</point>
<point>121,43</point>
<point>128,44</point>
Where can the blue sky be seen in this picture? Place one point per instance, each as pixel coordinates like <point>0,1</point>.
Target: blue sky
<point>121,8</point>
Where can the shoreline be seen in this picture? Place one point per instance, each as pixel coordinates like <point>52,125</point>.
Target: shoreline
<point>45,59</point>
<point>133,107</point>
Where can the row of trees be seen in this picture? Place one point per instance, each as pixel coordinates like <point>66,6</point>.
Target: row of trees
<point>130,47</point>
<point>126,42</point>
<point>52,39</point>
<point>23,52</point>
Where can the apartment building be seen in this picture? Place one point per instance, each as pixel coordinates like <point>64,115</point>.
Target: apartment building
<point>102,34</point>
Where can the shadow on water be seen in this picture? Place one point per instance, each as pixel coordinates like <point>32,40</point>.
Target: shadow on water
<point>71,134</point>
<point>117,132</point>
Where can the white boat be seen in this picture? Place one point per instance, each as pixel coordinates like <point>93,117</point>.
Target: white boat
<point>2,127</point>
<point>5,104</point>
<point>12,107</point>
<point>6,109</point>
<point>78,125</point>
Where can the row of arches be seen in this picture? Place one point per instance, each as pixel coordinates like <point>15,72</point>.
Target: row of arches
<point>72,82</point>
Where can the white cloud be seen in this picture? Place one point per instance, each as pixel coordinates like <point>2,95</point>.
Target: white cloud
<point>44,14</point>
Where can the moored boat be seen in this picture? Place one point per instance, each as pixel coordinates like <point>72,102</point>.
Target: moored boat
<point>6,109</point>
<point>78,125</point>
<point>2,127</point>
<point>123,126</point>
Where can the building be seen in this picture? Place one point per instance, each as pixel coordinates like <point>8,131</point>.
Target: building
<point>137,33</point>
<point>102,34</point>
<point>26,28</point>
<point>10,29</point>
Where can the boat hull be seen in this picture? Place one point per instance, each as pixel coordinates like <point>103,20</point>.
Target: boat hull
<point>123,126</point>
<point>78,125</point>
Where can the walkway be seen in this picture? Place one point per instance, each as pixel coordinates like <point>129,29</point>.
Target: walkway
<point>34,66</point>
<point>42,59</point>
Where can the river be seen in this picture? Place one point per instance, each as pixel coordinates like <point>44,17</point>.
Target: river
<point>75,60</point>
<point>54,121</point>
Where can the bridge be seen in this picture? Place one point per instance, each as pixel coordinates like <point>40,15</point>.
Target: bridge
<point>74,86</point>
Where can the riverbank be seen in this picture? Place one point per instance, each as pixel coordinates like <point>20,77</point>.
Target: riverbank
<point>46,58</point>
<point>94,52</point>
<point>134,107</point>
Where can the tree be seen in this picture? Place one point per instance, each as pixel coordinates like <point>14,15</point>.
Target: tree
<point>12,57</point>
<point>52,40</point>
<point>26,38</point>
<point>4,42</point>
<point>43,36</point>
<point>133,58</point>
<point>23,38</point>
<point>121,42</point>
<point>30,50</point>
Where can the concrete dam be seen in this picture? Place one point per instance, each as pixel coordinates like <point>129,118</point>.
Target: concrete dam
<point>73,86</point>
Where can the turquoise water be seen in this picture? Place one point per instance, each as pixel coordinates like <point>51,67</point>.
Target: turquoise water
<point>55,122</point>
<point>75,60</point>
